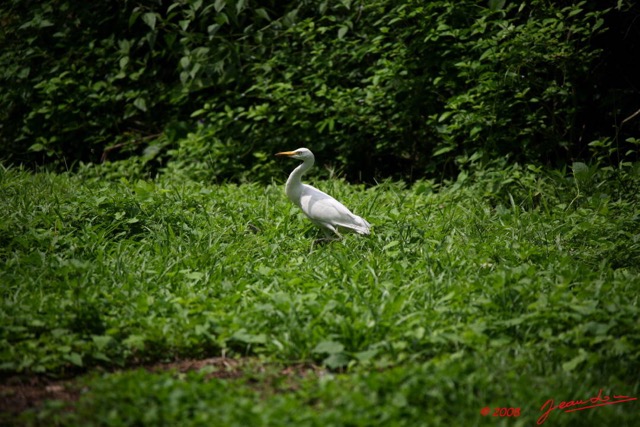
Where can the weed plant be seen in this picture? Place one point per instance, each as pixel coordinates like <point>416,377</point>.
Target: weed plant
<point>504,288</point>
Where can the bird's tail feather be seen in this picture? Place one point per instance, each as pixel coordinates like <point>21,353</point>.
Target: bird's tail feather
<point>361,226</point>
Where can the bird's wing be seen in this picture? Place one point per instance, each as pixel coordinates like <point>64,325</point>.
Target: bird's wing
<point>324,209</point>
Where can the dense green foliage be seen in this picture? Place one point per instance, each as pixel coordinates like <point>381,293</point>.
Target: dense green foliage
<point>466,294</point>
<point>383,88</point>
<point>449,390</point>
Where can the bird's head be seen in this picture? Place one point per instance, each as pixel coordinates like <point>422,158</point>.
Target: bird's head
<point>300,153</point>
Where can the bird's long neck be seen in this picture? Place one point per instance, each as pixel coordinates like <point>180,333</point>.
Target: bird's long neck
<point>294,182</point>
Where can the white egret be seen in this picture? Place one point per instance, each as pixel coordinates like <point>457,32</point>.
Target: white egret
<point>322,209</point>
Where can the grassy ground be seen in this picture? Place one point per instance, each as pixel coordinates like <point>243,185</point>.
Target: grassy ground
<point>501,290</point>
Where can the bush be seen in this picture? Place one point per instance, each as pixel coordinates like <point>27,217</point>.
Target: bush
<point>105,81</point>
<point>382,88</point>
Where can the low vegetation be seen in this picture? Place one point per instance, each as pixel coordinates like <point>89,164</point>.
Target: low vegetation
<point>506,287</point>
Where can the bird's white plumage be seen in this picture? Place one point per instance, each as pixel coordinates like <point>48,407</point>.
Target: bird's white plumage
<point>323,210</point>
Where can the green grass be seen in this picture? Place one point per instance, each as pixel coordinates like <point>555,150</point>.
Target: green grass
<point>503,289</point>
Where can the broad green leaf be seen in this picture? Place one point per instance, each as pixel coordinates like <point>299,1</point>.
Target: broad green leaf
<point>390,245</point>
<point>330,347</point>
<point>573,363</point>
<point>336,361</point>
<point>496,4</point>
<point>149,18</point>
<point>262,13</point>
<point>219,5</point>
<point>240,6</point>
<point>443,150</point>
<point>140,104</point>
<point>365,356</point>
<point>245,337</point>
<point>74,358</point>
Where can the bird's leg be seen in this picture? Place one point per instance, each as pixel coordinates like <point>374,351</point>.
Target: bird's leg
<point>326,240</point>
<point>323,241</point>
<point>330,235</point>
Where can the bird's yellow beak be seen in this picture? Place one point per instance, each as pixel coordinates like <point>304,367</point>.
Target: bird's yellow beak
<point>285,154</point>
